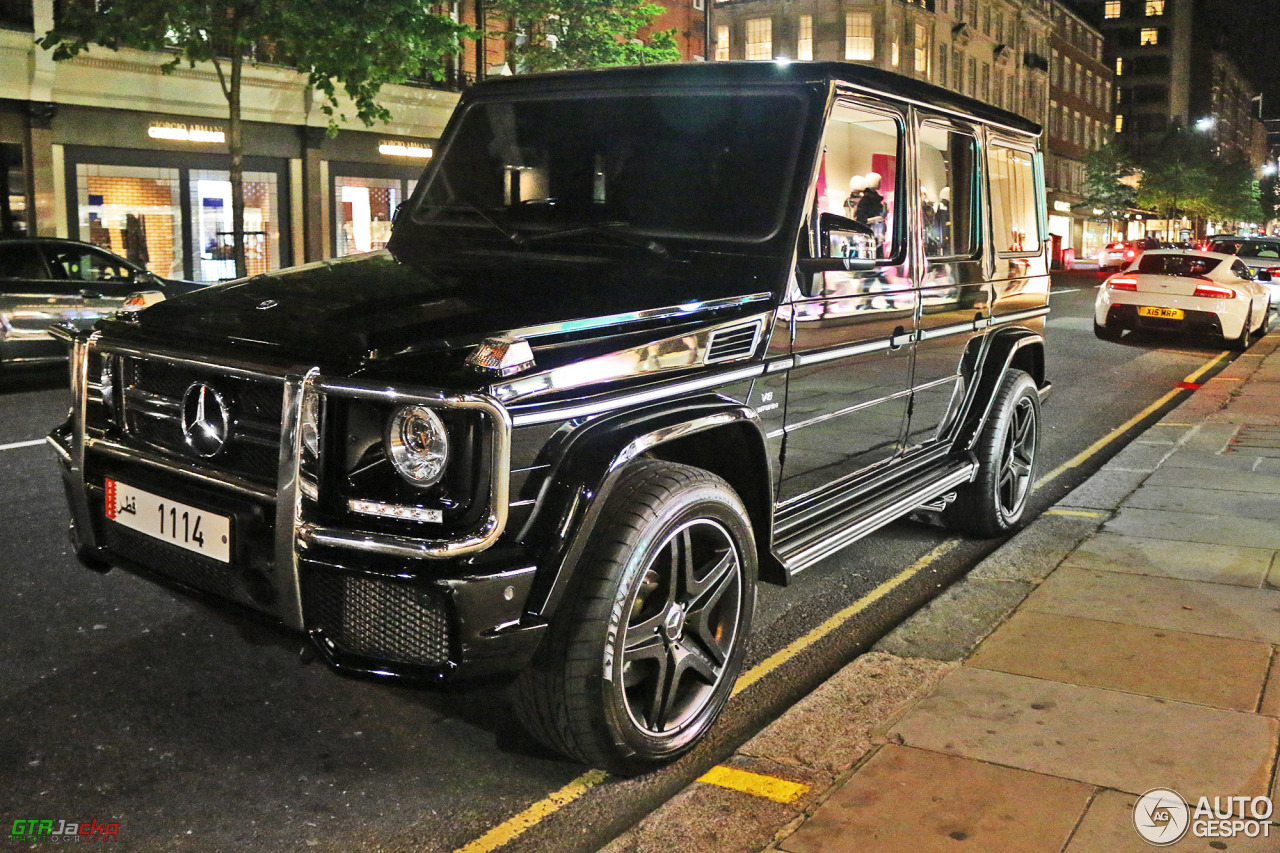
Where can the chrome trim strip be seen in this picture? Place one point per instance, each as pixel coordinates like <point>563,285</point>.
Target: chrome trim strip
<point>676,390</point>
<point>780,364</point>
<point>155,460</point>
<point>588,323</point>
<point>806,557</point>
<point>145,403</point>
<point>409,547</point>
<point>1001,319</point>
<point>171,357</point>
<point>946,380</point>
<point>829,415</point>
<point>829,355</point>
<point>64,452</point>
<point>80,511</point>
<point>660,436</point>
<point>948,331</point>
<point>777,433</point>
<point>285,566</point>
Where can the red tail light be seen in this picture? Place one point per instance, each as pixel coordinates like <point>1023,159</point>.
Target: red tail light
<point>1273,271</point>
<point>1122,283</point>
<point>1129,253</point>
<point>1214,291</point>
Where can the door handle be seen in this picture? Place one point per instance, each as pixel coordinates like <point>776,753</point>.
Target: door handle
<point>900,332</point>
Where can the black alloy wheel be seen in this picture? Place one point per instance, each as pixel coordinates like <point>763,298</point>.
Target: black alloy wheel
<point>643,655</point>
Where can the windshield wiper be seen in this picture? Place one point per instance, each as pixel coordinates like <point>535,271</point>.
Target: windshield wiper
<point>616,230</point>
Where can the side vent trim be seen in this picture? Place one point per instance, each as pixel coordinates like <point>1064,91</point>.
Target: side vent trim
<point>733,342</point>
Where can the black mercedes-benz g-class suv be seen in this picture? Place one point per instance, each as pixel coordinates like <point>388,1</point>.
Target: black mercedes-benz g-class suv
<point>641,339</point>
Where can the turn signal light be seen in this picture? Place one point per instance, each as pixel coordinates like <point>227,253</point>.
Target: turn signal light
<point>1213,291</point>
<point>1120,283</point>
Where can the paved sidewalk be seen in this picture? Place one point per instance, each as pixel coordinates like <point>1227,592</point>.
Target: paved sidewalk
<point>1124,641</point>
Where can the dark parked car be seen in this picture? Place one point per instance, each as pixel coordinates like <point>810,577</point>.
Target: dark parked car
<point>46,280</point>
<point>631,351</point>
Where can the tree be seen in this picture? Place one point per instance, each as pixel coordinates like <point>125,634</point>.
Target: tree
<point>555,34</point>
<point>1109,181</point>
<point>359,45</point>
<point>1233,193</point>
<point>1176,176</point>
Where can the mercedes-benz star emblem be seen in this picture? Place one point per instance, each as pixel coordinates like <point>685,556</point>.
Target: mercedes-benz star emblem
<point>267,304</point>
<point>206,419</point>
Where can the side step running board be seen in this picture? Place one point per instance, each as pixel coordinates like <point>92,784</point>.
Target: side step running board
<point>815,543</point>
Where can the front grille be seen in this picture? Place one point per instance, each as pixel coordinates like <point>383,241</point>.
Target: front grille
<point>153,394</point>
<point>225,580</point>
<point>387,620</point>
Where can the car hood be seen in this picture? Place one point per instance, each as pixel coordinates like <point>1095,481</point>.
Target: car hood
<point>357,313</point>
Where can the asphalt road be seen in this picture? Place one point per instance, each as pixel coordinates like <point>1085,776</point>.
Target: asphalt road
<point>123,703</point>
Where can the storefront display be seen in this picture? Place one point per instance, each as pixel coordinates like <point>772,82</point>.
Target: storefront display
<point>133,211</point>
<point>212,239</point>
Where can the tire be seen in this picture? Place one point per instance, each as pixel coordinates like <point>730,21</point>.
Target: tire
<point>642,657</point>
<point>1265,325</point>
<point>995,502</point>
<point>1240,343</point>
<point>1106,333</point>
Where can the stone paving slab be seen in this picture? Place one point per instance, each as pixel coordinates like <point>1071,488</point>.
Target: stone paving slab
<point>1214,671</point>
<point>1100,737</point>
<point>951,626</point>
<point>911,800</point>
<point>1240,463</point>
<point>1108,828</point>
<point>1176,605</point>
<point>1271,698</point>
<point>1240,504</point>
<point>1038,549</point>
<point>1105,490</point>
<point>1141,456</point>
<point>1233,481</point>
<point>1225,564</point>
<point>833,727</point>
<point>1195,527</point>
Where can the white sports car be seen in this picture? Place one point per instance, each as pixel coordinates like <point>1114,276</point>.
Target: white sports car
<point>1184,291</point>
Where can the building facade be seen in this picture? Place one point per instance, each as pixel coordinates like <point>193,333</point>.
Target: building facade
<point>109,149</point>
<point>1080,121</point>
<point>993,50</point>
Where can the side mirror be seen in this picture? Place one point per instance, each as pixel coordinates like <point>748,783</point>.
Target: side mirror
<point>840,237</point>
<point>1262,275</point>
<point>396,215</point>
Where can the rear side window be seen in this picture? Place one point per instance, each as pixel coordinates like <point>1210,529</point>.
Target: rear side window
<point>1188,266</point>
<point>1259,250</point>
<point>21,260</point>
<point>1015,219</point>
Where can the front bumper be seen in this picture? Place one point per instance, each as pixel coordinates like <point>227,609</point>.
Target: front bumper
<point>390,606</point>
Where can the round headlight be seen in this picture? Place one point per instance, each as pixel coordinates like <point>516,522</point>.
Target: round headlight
<point>417,445</point>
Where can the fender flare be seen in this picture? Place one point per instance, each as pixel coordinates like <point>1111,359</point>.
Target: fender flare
<point>592,459</point>
<point>1005,350</point>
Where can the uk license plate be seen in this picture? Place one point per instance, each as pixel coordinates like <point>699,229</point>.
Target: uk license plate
<point>1161,313</point>
<point>198,530</point>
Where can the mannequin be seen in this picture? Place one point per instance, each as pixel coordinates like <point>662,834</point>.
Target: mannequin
<point>871,205</point>
<point>856,186</point>
<point>942,216</point>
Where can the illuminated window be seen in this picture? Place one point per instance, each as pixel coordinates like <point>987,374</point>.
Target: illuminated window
<point>1155,8</point>
<point>923,50</point>
<point>942,66</point>
<point>1148,36</point>
<point>1112,9</point>
<point>722,44</point>
<point>893,53</point>
<point>859,37</point>
<point>1119,123</point>
<point>760,38</point>
<point>1119,65</point>
<point>804,45</point>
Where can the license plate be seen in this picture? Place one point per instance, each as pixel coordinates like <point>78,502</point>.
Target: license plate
<point>1162,313</point>
<point>162,518</point>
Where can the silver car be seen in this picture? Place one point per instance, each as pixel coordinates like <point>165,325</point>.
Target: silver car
<point>1260,254</point>
<point>47,281</point>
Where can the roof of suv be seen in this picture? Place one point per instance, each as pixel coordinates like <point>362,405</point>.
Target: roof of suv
<point>755,73</point>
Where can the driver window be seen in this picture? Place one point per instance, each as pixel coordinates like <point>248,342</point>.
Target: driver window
<point>858,178</point>
<point>85,265</point>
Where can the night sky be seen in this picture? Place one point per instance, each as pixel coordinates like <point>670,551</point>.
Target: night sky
<point>1252,34</point>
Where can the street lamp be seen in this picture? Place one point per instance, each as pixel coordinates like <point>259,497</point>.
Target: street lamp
<point>1206,124</point>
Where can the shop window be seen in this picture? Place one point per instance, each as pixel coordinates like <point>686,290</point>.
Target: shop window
<point>133,211</point>
<point>1014,218</point>
<point>1149,36</point>
<point>212,239</point>
<point>804,44</point>
<point>860,174</point>
<point>760,38</point>
<point>13,198</point>
<point>859,37</point>
<point>365,209</point>
<point>948,191</point>
<point>722,43</point>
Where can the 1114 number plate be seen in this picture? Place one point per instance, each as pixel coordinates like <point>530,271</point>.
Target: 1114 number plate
<point>205,533</point>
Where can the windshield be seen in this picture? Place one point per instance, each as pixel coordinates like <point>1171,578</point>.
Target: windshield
<point>1248,248</point>
<point>712,166</point>
<point>1189,266</point>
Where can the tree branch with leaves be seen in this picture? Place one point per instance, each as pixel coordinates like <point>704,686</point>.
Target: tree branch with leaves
<point>554,34</point>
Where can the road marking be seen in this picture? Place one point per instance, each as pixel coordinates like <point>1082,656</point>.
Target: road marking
<point>1084,455</point>
<point>755,784</point>
<point>508,830</point>
<point>18,444</point>
<point>794,648</point>
<point>1074,513</point>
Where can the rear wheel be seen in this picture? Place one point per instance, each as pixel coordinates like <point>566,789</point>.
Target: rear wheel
<point>1240,343</point>
<point>1265,325</point>
<point>640,663</point>
<point>1106,333</point>
<point>994,503</point>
